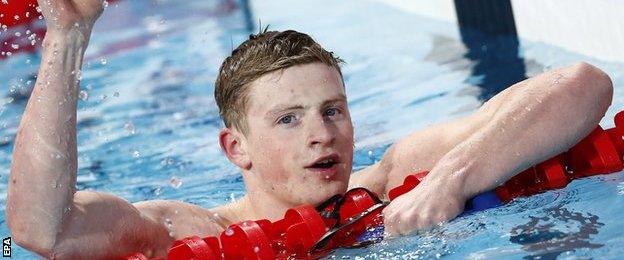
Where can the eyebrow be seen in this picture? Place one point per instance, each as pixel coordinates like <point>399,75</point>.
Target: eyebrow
<point>340,98</point>
<point>282,108</point>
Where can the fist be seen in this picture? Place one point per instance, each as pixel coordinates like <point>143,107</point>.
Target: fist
<point>426,205</point>
<point>65,14</point>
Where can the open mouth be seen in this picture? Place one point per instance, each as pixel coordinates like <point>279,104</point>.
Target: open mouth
<point>325,164</point>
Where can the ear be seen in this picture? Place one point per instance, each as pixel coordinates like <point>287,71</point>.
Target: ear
<point>233,147</point>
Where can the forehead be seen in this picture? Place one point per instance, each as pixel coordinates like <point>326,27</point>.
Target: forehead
<point>304,85</point>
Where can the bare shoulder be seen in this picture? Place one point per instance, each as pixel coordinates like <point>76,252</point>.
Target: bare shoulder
<point>180,218</point>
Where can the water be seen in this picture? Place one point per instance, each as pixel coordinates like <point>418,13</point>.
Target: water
<point>148,123</point>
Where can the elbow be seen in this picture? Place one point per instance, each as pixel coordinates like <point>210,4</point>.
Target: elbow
<point>23,232</point>
<point>34,247</point>
<point>588,91</point>
<point>592,85</point>
<point>26,238</point>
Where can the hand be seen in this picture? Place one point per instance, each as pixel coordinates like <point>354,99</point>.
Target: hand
<point>62,15</point>
<point>430,203</point>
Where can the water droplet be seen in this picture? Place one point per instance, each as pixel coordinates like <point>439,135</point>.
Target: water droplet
<point>256,249</point>
<point>229,232</point>
<point>157,190</point>
<point>79,75</point>
<point>168,223</point>
<point>136,154</point>
<point>129,128</point>
<point>175,182</point>
<point>15,46</point>
<point>83,95</point>
<point>16,17</point>
<point>167,161</point>
<point>179,116</point>
<point>105,4</point>
<point>103,61</point>
<point>116,94</point>
<point>18,34</point>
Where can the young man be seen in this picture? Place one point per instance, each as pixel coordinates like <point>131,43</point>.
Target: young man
<point>288,129</point>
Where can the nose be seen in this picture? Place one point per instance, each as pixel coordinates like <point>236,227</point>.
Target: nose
<point>320,132</point>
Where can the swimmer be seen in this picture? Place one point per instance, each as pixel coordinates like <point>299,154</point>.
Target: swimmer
<point>288,128</point>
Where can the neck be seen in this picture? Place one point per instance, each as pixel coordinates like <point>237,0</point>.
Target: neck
<point>256,204</point>
<point>259,204</point>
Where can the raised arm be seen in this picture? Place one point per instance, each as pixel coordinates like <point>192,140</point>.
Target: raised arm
<point>44,212</point>
<point>522,126</point>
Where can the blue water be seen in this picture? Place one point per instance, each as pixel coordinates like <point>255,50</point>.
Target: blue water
<point>148,129</point>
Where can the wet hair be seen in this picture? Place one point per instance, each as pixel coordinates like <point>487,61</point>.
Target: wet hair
<point>262,53</point>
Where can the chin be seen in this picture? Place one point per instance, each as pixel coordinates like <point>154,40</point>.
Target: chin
<point>317,196</point>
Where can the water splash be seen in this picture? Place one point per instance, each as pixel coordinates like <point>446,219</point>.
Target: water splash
<point>129,128</point>
<point>175,182</point>
<point>83,95</point>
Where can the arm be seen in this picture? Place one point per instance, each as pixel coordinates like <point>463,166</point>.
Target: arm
<point>522,126</point>
<point>44,212</point>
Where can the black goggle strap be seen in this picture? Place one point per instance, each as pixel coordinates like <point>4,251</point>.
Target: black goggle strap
<point>324,240</point>
<point>331,209</point>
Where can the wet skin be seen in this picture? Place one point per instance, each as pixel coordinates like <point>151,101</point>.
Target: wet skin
<point>297,120</point>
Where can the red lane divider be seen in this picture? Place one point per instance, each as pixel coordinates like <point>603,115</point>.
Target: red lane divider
<point>21,27</point>
<point>309,233</point>
<point>19,30</point>
<point>15,12</point>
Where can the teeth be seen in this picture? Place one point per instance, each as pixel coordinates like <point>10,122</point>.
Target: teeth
<point>326,161</point>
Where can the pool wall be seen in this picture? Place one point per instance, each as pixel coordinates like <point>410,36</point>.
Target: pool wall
<point>592,28</point>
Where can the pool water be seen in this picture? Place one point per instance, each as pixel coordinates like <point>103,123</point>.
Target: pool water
<point>148,122</point>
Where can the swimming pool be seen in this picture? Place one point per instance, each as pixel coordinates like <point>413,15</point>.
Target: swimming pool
<point>148,123</point>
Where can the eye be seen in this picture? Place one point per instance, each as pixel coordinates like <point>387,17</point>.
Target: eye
<point>287,119</point>
<point>332,111</point>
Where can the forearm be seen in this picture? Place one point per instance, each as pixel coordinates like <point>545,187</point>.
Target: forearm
<point>43,171</point>
<point>543,117</point>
